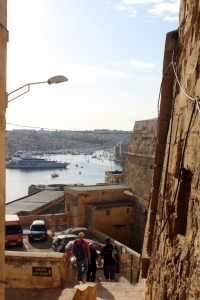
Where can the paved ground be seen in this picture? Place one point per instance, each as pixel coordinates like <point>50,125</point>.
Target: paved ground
<point>33,294</point>
<point>33,246</point>
<point>106,291</point>
<point>119,291</point>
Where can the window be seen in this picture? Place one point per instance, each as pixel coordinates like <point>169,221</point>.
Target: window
<point>128,210</point>
<point>107,212</point>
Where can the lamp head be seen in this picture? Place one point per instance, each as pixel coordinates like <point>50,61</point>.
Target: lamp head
<point>128,193</point>
<point>57,79</point>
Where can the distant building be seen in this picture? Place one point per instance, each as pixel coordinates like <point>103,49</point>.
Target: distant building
<point>113,177</point>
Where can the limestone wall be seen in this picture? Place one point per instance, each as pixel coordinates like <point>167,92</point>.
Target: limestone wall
<point>37,270</point>
<point>116,224</point>
<point>140,156</point>
<point>137,174</point>
<point>60,219</point>
<point>175,253</point>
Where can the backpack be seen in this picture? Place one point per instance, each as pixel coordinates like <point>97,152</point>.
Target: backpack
<point>115,255</point>
<point>78,251</point>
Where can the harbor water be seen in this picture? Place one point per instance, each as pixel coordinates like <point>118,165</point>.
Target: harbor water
<point>82,169</point>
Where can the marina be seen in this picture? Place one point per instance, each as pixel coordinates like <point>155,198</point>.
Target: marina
<point>92,172</point>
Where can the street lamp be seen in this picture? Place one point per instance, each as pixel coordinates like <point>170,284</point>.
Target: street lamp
<point>128,193</point>
<point>55,79</point>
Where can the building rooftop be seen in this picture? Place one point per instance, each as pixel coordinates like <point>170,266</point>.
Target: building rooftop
<point>116,172</point>
<point>98,187</point>
<point>32,202</point>
<point>112,203</point>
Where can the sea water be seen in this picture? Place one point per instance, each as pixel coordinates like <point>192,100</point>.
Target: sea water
<point>82,169</point>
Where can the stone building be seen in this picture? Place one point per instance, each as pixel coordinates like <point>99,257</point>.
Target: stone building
<point>114,218</point>
<point>119,151</point>
<point>173,232</point>
<point>113,177</point>
<point>102,207</point>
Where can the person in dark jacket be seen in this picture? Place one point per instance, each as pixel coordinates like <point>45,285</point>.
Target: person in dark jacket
<point>94,257</point>
<point>109,262</point>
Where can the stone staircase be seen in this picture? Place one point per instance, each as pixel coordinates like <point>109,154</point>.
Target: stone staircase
<point>103,291</point>
<point>119,291</point>
<point>74,290</point>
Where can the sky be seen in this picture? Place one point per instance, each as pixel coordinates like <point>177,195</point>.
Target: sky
<point>110,51</point>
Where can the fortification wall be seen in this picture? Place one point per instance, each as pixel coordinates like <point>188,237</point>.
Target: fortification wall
<point>175,253</point>
<point>140,156</point>
<point>137,174</point>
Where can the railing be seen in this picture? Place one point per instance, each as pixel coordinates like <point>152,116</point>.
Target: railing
<point>130,258</point>
<point>130,267</point>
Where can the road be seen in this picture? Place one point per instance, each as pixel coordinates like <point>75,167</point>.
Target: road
<point>44,246</point>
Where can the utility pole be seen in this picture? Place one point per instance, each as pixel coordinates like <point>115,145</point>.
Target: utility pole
<point>3,105</point>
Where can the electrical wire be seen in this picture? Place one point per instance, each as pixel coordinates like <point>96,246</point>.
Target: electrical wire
<point>180,171</point>
<point>74,131</point>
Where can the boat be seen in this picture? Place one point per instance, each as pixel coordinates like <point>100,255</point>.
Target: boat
<point>30,162</point>
<point>54,175</point>
<point>76,165</point>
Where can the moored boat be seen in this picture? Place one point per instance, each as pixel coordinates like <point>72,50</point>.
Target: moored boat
<point>30,162</point>
<point>54,175</point>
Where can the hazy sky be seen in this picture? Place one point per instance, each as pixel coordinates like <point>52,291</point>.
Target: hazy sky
<point>111,52</point>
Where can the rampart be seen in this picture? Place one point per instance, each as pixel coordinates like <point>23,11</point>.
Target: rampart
<point>137,174</point>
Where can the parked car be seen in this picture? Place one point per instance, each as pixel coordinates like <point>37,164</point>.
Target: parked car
<point>68,248</point>
<point>77,230</point>
<point>61,241</point>
<point>37,231</point>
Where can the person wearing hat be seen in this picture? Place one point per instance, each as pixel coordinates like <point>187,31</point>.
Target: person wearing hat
<point>91,273</point>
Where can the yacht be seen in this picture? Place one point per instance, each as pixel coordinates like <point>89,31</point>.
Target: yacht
<point>30,162</point>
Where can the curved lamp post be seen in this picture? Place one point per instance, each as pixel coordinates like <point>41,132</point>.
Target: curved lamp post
<point>128,193</point>
<point>55,79</point>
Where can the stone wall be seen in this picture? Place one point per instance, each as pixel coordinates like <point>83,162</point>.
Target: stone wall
<point>60,219</point>
<point>140,155</point>
<point>175,250</point>
<point>37,270</point>
<point>116,224</point>
<point>137,174</point>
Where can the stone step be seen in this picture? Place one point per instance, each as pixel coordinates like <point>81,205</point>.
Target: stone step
<point>113,290</point>
<point>119,285</point>
<point>119,291</point>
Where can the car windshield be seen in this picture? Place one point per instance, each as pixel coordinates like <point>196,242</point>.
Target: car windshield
<point>69,246</point>
<point>37,228</point>
<point>57,241</point>
<point>13,229</point>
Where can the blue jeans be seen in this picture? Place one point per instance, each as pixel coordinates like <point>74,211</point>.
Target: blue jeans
<point>82,263</point>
